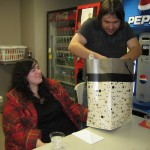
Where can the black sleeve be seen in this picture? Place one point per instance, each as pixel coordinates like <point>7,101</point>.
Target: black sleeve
<point>86,29</point>
<point>129,32</point>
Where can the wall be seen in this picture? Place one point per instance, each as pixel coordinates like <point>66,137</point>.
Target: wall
<point>5,78</point>
<point>10,34</point>
<point>10,22</point>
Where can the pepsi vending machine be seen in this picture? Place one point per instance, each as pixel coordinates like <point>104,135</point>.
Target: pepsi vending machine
<point>137,14</point>
<point>143,75</point>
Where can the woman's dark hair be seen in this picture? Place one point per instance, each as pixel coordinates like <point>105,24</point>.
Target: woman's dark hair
<point>113,7</point>
<point>20,82</point>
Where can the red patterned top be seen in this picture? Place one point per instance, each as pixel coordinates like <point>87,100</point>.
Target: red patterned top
<point>20,120</point>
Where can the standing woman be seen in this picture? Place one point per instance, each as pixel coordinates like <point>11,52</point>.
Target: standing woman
<point>35,107</point>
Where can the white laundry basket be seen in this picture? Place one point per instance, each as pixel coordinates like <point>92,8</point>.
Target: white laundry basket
<point>12,53</point>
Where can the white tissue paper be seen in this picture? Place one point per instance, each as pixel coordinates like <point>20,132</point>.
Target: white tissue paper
<point>88,136</point>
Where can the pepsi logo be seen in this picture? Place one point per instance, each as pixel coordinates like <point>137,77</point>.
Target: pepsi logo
<point>143,79</point>
<point>144,5</point>
<point>137,14</point>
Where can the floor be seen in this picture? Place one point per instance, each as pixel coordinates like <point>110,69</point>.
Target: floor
<point>1,134</point>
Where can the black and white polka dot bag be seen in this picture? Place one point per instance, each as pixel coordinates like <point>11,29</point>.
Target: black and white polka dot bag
<point>109,92</point>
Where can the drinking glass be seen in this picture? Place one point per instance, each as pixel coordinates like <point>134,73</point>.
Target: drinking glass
<point>56,140</point>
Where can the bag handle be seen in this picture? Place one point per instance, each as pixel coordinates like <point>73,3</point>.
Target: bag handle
<point>127,67</point>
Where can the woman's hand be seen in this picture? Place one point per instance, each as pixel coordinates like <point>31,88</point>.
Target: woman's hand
<point>39,143</point>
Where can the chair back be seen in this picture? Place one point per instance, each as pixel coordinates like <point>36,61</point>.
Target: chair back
<point>81,92</point>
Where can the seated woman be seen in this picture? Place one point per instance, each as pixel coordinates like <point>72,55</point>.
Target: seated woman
<point>35,107</point>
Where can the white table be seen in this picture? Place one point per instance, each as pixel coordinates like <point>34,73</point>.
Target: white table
<point>128,137</point>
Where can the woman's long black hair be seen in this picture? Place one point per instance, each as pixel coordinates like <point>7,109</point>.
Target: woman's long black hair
<point>113,7</point>
<point>20,82</point>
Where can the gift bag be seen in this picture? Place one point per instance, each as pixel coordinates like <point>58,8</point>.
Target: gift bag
<point>109,92</point>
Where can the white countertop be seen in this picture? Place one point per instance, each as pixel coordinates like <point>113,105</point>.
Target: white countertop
<point>128,137</point>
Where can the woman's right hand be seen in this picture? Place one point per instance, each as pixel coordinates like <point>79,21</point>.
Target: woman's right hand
<point>39,143</point>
